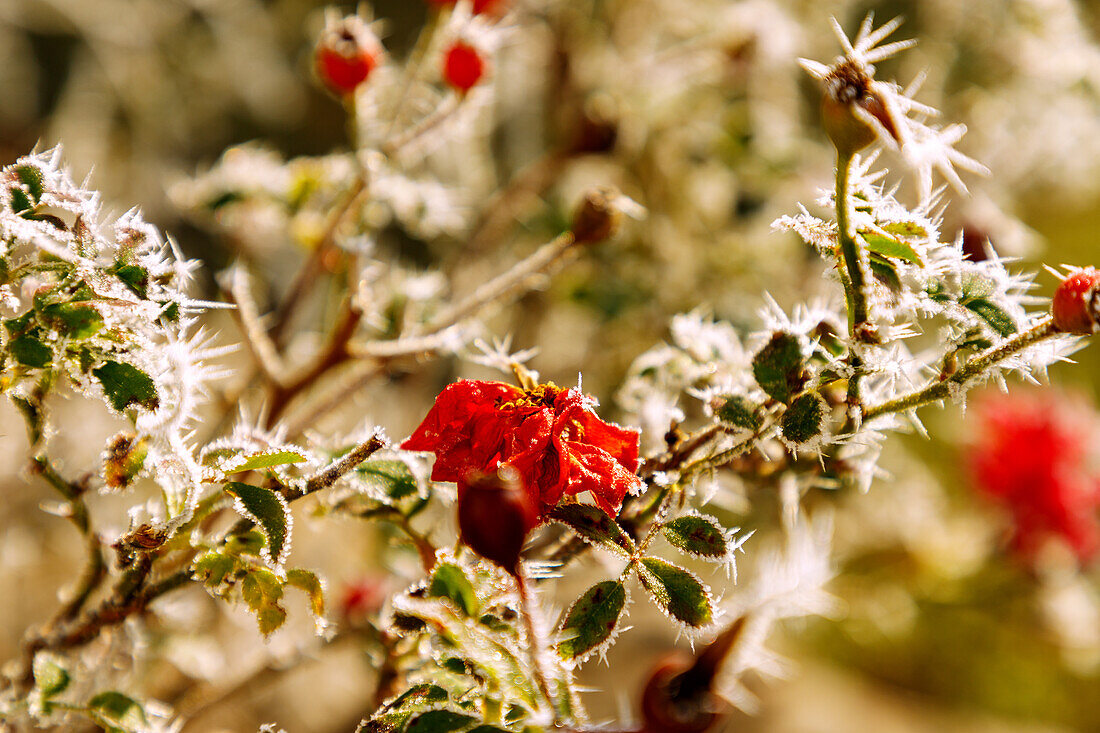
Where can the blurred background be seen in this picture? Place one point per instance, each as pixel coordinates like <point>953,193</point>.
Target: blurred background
<point>698,110</point>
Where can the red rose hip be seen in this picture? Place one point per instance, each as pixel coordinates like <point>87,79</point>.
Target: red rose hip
<point>463,67</point>
<point>1076,303</point>
<point>346,54</point>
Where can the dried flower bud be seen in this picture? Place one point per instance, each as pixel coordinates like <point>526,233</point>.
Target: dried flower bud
<point>495,513</point>
<point>853,111</point>
<point>346,54</point>
<point>463,67</point>
<point>598,216</point>
<point>1076,303</point>
<point>141,539</point>
<point>123,460</point>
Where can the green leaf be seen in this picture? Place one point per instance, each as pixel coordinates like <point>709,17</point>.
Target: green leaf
<point>439,721</point>
<point>592,619</point>
<point>267,509</point>
<point>678,592</point>
<point>262,591</point>
<point>738,412</point>
<point>595,526</point>
<point>487,729</point>
<point>126,385</point>
<point>135,277</point>
<point>418,697</point>
<point>31,177</point>
<point>75,320</point>
<point>778,366</point>
<point>49,677</point>
<point>391,476</point>
<point>904,228</point>
<point>449,581</point>
<point>805,419</point>
<point>214,568</point>
<point>119,712</point>
<point>890,247</point>
<point>698,536</point>
<point>885,272</point>
<point>30,352</point>
<point>258,461</point>
<point>992,314</point>
<point>308,581</point>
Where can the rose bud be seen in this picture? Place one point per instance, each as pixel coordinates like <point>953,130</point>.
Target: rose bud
<point>346,54</point>
<point>463,67</point>
<point>679,695</point>
<point>598,216</point>
<point>1076,303</point>
<point>495,514</point>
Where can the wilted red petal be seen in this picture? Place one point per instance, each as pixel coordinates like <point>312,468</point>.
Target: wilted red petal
<point>454,408</point>
<point>594,469</point>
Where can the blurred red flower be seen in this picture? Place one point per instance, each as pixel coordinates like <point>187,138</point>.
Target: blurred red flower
<point>1032,456</point>
<point>550,436</point>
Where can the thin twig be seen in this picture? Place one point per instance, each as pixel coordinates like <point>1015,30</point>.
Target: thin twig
<point>970,371</point>
<point>259,343</point>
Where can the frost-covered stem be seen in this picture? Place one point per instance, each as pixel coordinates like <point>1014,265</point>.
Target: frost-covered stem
<point>973,369</point>
<point>723,457</point>
<point>505,285</point>
<point>857,298</point>
<point>307,275</point>
<point>333,355</point>
<point>334,471</point>
<point>534,640</point>
<point>677,455</point>
<point>856,281</point>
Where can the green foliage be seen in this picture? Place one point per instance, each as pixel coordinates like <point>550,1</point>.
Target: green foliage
<point>270,511</point>
<point>449,581</point>
<point>118,713</point>
<point>260,461</point>
<point>591,620</point>
<point>677,592</point>
<point>307,581</point>
<point>127,386</point>
<point>594,525</point>
<point>891,247</point>
<point>698,536</point>
<point>805,419</point>
<point>738,412</point>
<point>50,678</point>
<point>389,476</point>
<point>778,366</point>
<point>262,590</point>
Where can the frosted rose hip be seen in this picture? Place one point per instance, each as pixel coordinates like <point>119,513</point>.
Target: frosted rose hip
<point>1076,303</point>
<point>346,54</point>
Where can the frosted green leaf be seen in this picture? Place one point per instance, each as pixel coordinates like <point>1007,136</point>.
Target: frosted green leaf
<point>805,419</point>
<point>449,581</point>
<point>778,366</point>
<point>439,721</point>
<point>30,352</point>
<point>392,477</point>
<point>49,677</point>
<point>738,412</point>
<point>262,591</point>
<point>127,386</point>
<point>258,461</point>
<point>594,525</point>
<point>890,247</point>
<point>118,712</point>
<point>698,536</point>
<point>591,620</point>
<point>308,581</point>
<point>676,591</point>
<point>268,510</point>
<point>992,314</point>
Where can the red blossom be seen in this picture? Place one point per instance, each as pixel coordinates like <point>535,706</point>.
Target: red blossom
<point>550,436</point>
<point>463,66</point>
<point>1033,457</point>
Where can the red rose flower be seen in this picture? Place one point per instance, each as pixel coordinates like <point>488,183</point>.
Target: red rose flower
<point>550,436</point>
<point>1032,456</point>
